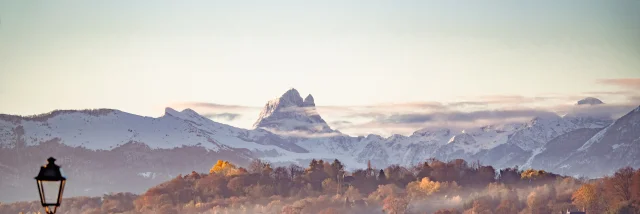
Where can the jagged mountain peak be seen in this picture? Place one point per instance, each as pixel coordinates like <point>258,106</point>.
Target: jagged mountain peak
<point>292,96</point>
<point>290,112</point>
<point>589,101</point>
<point>309,101</point>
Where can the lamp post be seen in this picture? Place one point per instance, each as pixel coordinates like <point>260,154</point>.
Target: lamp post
<point>50,186</point>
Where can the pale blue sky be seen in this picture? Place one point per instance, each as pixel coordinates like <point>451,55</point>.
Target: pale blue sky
<point>140,56</point>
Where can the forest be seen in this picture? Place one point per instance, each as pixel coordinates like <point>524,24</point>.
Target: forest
<point>325,187</point>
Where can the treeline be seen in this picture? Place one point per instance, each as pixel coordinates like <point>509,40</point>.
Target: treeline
<point>325,187</point>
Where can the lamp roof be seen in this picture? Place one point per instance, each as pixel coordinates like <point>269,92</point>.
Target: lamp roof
<point>50,172</point>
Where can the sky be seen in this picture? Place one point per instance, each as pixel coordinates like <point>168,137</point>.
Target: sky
<point>142,56</point>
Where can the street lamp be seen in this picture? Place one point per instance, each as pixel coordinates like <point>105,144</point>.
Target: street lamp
<point>50,186</point>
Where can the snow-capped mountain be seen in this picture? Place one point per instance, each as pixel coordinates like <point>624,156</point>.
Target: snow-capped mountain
<point>616,146</point>
<point>95,144</point>
<point>290,112</point>
<point>106,129</point>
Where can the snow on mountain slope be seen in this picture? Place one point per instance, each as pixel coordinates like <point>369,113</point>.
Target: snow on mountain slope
<point>616,146</point>
<point>557,149</point>
<point>290,112</point>
<point>432,136</point>
<point>503,155</point>
<point>588,122</point>
<point>519,144</point>
<point>398,149</point>
<point>540,130</point>
<point>112,128</point>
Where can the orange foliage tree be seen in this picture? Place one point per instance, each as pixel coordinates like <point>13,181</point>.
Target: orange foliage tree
<point>224,168</point>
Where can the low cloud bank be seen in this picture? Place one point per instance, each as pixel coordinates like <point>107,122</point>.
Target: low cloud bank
<point>404,118</point>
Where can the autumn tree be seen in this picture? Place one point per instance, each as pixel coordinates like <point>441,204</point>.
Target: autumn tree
<point>282,181</point>
<point>117,203</point>
<point>211,186</point>
<point>501,191</point>
<point>423,188</point>
<point>313,165</point>
<point>537,176</point>
<point>635,186</point>
<point>447,211</point>
<point>260,191</point>
<point>261,167</point>
<point>329,210</point>
<point>537,203</point>
<point>484,176</point>
<point>364,181</point>
<point>422,170</point>
<point>509,176</point>
<point>224,168</point>
<point>395,205</point>
<point>352,193</point>
<point>329,186</point>
<point>166,209</point>
<point>427,187</point>
<point>295,171</point>
<point>618,187</point>
<point>399,175</point>
<point>289,209</point>
<point>315,174</point>
<point>507,207</point>
<point>384,191</point>
<point>334,169</point>
<point>586,198</point>
<point>237,185</point>
<point>625,207</point>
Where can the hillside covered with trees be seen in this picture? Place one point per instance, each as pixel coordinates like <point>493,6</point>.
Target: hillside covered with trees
<point>325,187</point>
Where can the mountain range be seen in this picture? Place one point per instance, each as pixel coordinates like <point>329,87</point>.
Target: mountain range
<point>108,150</point>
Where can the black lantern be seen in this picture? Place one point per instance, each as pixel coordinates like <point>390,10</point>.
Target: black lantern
<point>50,186</point>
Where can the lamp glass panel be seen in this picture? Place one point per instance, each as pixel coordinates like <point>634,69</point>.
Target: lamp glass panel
<point>51,190</point>
<point>50,209</point>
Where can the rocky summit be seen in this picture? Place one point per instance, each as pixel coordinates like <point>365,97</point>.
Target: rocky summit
<point>290,113</point>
